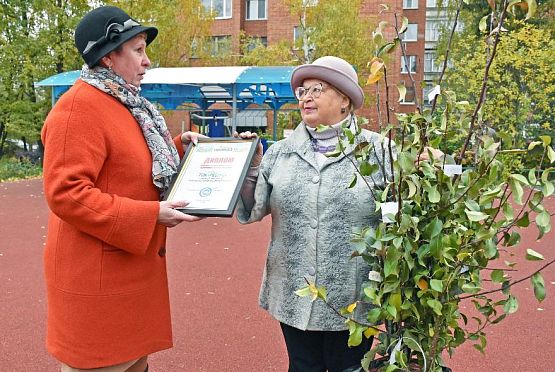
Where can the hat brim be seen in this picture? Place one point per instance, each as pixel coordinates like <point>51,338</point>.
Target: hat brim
<point>151,33</point>
<point>342,82</point>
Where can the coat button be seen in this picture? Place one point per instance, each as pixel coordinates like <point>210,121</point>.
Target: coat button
<point>162,252</point>
<point>311,271</point>
<point>314,223</point>
<point>315,179</point>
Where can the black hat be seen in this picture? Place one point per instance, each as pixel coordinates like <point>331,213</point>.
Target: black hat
<point>104,29</point>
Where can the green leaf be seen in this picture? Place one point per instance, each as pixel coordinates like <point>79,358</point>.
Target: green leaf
<point>475,216</point>
<point>391,262</point>
<point>303,292</point>
<point>387,48</point>
<point>551,154</point>
<point>543,219</point>
<point>355,334</point>
<point>533,144</point>
<point>483,25</point>
<point>520,178</point>
<point>497,276</point>
<point>433,195</point>
<point>511,305</point>
<point>437,285</point>
<point>514,239</point>
<point>532,255</point>
<point>435,305</point>
<point>471,288</point>
<point>523,221</point>
<point>367,169</point>
<point>406,161</point>
<point>374,315</point>
<point>353,181</point>
<point>539,286</point>
<point>517,190</point>
<point>434,228</point>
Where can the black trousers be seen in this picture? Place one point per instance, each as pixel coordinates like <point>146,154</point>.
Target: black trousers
<point>321,351</point>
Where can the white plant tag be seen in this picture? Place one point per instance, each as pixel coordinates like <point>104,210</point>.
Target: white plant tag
<point>374,276</point>
<point>389,208</point>
<point>451,169</point>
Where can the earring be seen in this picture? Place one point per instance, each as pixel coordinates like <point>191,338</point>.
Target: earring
<point>343,109</point>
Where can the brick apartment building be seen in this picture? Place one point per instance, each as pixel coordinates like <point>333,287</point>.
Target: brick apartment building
<point>271,21</point>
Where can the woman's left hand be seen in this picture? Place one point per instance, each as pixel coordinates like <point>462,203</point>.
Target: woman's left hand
<point>188,137</point>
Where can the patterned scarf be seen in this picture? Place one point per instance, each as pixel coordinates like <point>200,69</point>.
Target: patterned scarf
<point>165,158</point>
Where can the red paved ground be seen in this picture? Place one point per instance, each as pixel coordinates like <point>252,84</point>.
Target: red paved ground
<point>215,267</point>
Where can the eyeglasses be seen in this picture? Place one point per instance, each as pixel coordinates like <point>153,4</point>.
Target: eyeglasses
<point>112,31</point>
<point>314,91</point>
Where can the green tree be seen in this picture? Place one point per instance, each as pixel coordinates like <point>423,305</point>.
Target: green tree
<point>35,42</point>
<point>183,29</point>
<point>321,33</point>
<point>520,100</point>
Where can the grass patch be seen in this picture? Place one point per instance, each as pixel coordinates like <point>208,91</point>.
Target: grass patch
<point>12,169</point>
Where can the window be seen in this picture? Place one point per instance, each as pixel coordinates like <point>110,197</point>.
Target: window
<point>256,9</point>
<point>221,45</point>
<point>310,2</point>
<point>411,64</point>
<point>431,3</point>
<point>298,41</point>
<point>432,30</point>
<point>256,41</point>
<point>409,97</point>
<point>430,64</point>
<point>411,34</point>
<point>410,4</point>
<point>220,8</point>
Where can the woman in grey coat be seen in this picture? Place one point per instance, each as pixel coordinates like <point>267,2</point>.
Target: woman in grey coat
<point>314,215</point>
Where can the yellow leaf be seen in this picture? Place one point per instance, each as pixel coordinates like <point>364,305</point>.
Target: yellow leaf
<point>374,78</point>
<point>423,284</point>
<point>351,307</point>
<point>377,65</point>
<point>371,332</point>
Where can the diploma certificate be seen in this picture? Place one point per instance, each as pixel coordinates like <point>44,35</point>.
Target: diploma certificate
<point>211,175</point>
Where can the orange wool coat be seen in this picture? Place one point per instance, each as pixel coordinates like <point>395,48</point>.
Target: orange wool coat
<point>105,263</point>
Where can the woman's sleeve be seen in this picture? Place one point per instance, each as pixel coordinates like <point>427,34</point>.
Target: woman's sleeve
<point>75,152</point>
<point>254,203</point>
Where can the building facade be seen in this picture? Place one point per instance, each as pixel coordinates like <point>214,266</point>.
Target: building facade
<point>271,21</point>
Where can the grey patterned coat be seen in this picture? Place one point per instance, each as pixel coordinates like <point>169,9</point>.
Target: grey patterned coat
<point>314,214</point>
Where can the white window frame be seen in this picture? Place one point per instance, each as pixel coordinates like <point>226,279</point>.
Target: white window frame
<point>412,65</point>
<point>256,18</point>
<point>432,30</point>
<point>309,3</point>
<point>412,29</point>
<point>431,3</point>
<point>410,4</point>
<point>227,5</point>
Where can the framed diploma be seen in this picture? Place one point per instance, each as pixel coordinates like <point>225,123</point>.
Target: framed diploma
<point>211,175</point>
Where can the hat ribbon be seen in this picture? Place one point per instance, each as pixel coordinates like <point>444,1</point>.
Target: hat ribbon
<point>113,30</point>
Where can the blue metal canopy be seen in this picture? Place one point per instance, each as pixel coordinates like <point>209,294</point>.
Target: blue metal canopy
<point>179,87</point>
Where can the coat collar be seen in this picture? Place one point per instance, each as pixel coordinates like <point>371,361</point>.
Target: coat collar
<point>299,142</point>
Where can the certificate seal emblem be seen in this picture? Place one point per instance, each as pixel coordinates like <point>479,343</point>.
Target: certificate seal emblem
<point>206,191</point>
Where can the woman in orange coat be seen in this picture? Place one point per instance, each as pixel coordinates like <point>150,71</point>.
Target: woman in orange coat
<point>108,157</point>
